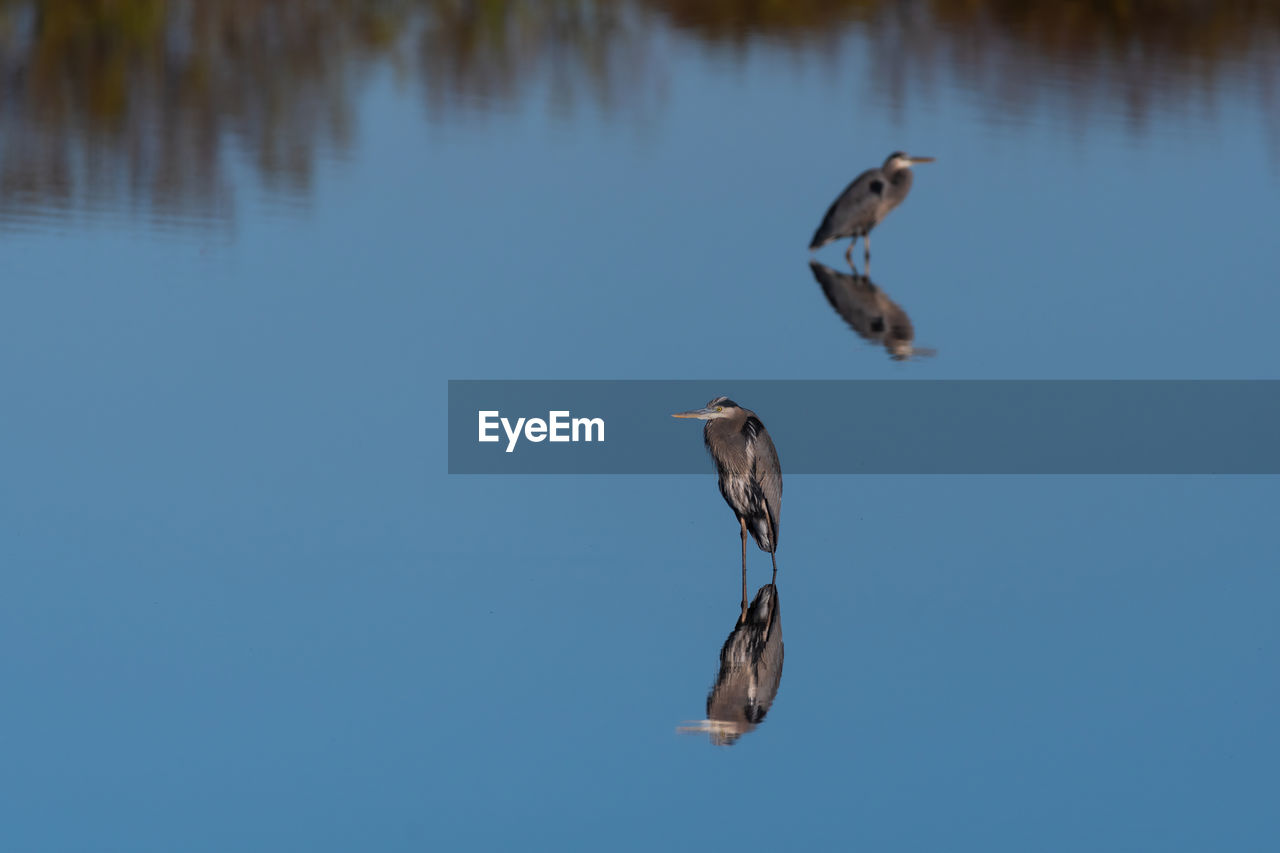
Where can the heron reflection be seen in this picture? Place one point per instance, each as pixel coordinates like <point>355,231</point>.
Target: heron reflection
<point>869,311</point>
<point>750,672</point>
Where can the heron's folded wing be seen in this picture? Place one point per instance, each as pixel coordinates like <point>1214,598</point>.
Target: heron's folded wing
<point>769,475</point>
<point>853,211</point>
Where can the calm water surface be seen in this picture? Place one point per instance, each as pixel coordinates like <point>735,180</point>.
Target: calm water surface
<point>245,245</point>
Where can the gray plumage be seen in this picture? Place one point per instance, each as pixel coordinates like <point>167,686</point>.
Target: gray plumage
<point>869,311</point>
<point>866,202</point>
<point>750,672</point>
<point>749,472</point>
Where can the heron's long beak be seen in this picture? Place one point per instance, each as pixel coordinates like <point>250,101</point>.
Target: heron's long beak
<point>700,414</point>
<point>920,159</point>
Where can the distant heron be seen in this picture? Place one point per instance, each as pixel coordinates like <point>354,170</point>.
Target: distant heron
<point>750,476</point>
<point>869,311</point>
<point>750,672</point>
<point>865,202</point>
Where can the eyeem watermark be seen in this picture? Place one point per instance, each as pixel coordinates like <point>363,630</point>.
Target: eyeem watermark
<point>913,426</point>
<point>559,426</point>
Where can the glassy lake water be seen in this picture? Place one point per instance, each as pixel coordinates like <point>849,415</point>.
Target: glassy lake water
<point>245,245</point>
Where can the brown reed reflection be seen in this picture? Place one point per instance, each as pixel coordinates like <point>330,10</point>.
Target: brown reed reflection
<point>477,56</point>
<point>869,311</point>
<point>152,105</point>
<point>1126,58</point>
<point>1082,60</point>
<point>146,104</point>
<point>750,672</point>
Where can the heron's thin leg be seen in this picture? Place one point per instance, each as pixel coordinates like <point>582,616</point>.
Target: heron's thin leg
<point>773,556</point>
<point>866,248</point>
<point>848,253</point>
<point>742,522</point>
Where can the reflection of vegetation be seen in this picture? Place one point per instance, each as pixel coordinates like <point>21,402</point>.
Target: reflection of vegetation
<point>1129,55</point>
<point>1192,27</point>
<point>484,52</point>
<point>104,98</point>
<point>1176,29</point>
<point>144,99</point>
<point>742,20</point>
<point>110,37</point>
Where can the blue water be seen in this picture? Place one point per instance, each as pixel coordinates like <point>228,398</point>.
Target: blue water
<point>244,607</point>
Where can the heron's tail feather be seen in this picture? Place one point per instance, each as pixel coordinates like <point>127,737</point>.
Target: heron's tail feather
<point>765,538</point>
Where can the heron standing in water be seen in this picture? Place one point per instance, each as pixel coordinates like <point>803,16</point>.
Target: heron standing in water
<point>865,202</point>
<point>750,476</point>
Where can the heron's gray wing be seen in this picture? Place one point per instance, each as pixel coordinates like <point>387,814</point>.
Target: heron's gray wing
<point>854,298</point>
<point>768,472</point>
<point>853,211</point>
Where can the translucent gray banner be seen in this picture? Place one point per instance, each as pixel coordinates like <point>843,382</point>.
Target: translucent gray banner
<point>873,427</point>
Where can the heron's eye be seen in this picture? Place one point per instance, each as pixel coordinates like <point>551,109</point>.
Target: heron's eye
<point>719,408</point>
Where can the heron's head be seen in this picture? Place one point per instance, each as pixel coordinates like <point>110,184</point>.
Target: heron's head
<point>720,407</point>
<point>900,160</point>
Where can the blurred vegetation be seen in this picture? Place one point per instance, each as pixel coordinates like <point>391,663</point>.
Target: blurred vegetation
<point>139,98</point>
<point>1186,29</point>
<point>1203,27</point>
<point>1127,56</point>
<point>148,99</point>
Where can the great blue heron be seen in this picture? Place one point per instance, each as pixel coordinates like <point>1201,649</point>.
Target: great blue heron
<point>749,675</point>
<point>750,476</point>
<point>869,311</point>
<point>865,202</point>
